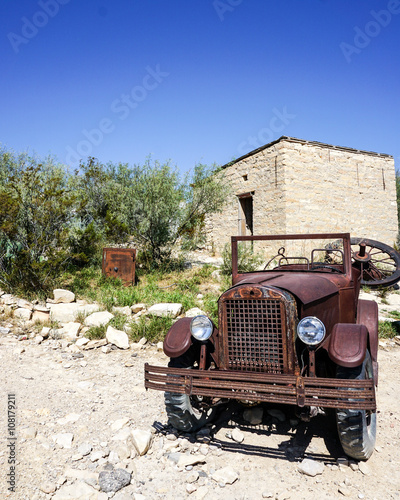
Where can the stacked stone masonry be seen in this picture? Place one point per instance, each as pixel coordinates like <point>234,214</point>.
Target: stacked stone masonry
<point>299,186</point>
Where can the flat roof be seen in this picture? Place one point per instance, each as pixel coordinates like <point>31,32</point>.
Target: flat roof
<point>302,141</point>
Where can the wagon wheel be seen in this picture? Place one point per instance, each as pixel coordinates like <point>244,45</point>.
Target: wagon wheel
<point>379,263</point>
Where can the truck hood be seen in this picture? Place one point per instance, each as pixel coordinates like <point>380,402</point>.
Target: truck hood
<point>306,287</point>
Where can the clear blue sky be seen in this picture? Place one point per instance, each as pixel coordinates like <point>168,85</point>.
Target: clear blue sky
<point>197,80</point>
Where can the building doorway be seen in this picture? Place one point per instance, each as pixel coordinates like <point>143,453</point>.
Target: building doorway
<point>245,216</point>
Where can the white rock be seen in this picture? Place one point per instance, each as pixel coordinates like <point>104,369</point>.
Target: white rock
<point>123,451</point>
<point>70,330</point>
<point>160,346</point>
<point>195,311</point>
<point>142,341</point>
<point>22,313</point>
<point>25,304</point>
<point>28,433</point>
<point>393,299</point>
<point>363,467</point>
<point>190,488</point>
<point>187,459</point>
<point>84,449</point>
<point>237,435</point>
<point>135,308</point>
<point>119,424</point>
<point>8,299</point>
<point>64,439</point>
<point>141,440</point>
<point>126,311</point>
<point>122,435</point>
<point>40,316</point>
<point>105,349</point>
<point>47,487</point>
<point>98,454</point>
<point>117,337</point>
<point>77,491</point>
<point>193,477</point>
<point>226,475</point>
<point>63,296</point>
<point>64,313</point>
<point>311,467</point>
<point>71,417</point>
<point>82,341</point>
<point>165,309</point>
<point>45,332</point>
<point>98,318</point>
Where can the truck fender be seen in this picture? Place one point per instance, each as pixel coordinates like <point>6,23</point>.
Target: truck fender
<point>348,344</point>
<point>178,339</point>
<point>367,314</point>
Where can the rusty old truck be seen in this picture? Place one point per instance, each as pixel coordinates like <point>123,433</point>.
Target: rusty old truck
<point>293,332</point>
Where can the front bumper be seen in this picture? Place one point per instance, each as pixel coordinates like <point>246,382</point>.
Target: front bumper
<point>271,388</point>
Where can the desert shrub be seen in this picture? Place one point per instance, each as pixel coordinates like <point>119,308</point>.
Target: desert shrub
<point>35,210</point>
<point>388,329</point>
<point>96,332</point>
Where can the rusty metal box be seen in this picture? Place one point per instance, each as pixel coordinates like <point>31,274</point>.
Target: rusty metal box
<point>120,263</point>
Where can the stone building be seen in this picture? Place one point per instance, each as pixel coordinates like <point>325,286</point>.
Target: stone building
<point>295,186</point>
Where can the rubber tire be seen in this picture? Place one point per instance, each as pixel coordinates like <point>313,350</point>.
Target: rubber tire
<point>356,429</point>
<point>181,414</point>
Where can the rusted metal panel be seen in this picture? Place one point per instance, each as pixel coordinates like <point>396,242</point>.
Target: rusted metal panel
<point>178,339</point>
<point>120,263</point>
<point>271,388</point>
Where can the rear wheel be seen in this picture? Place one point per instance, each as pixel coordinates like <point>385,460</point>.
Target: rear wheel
<point>357,428</point>
<point>186,413</point>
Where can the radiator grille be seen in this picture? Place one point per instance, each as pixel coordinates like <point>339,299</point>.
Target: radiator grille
<point>255,335</point>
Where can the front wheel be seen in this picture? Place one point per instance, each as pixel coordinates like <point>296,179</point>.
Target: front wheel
<point>357,428</point>
<point>186,413</point>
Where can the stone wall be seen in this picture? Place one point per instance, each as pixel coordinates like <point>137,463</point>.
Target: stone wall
<point>299,186</point>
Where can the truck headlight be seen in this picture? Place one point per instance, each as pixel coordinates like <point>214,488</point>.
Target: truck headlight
<point>201,328</point>
<point>311,330</point>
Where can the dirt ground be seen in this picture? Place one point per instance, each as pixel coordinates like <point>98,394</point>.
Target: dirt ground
<point>94,397</point>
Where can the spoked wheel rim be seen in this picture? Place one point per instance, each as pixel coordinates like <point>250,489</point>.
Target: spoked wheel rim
<point>378,263</point>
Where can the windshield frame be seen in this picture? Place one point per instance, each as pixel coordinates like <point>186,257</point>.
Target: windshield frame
<point>345,237</point>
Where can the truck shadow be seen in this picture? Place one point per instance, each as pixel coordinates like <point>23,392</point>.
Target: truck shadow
<point>293,438</point>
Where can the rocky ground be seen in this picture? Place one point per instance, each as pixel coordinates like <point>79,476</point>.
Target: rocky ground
<point>85,426</point>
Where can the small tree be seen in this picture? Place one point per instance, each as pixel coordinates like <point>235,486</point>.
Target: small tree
<point>34,216</point>
<point>99,209</point>
<point>163,208</point>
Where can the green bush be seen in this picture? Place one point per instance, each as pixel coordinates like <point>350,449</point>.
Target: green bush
<point>35,208</point>
<point>388,329</point>
<point>96,332</point>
